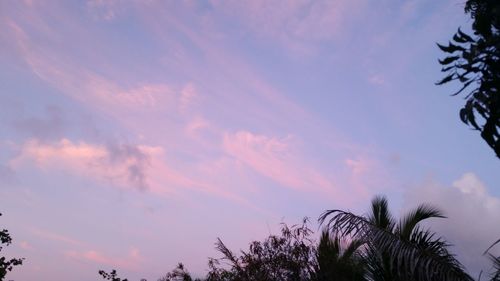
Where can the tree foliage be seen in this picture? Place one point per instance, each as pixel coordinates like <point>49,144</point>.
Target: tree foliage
<point>474,60</point>
<point>289,256</point>
<point>397,250</point>
<point>495,260</point>
<point>178,274</point>
<point>113,275</point>
<point>338,259</point>
<point>6,264</point>
<point>373,247</point>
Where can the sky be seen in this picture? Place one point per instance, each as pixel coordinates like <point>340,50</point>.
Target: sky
<point>133,134</point>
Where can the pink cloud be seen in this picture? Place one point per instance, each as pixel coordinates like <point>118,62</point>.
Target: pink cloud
<point>358,167</point>
<point>56,237</point>
<point>376,79</point>
<point>187,96</point>
<point>128,166</point>
<point>132,261</point>
<point>233,75</point>
<point>26,246</point>
<point>274,158</point>
<point>122,165</point>
<point>367,175</point>
<point>298,25</point>
<point>195,125</point>
<point>61,71</point>
<point>104,9</point>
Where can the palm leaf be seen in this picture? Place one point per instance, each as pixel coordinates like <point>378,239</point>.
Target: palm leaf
<point>410,259</point>
<point>464,36</point>
<point>381,216</point>
<point>496,267</point>
<point>410,221</point>
<point>492,245</point>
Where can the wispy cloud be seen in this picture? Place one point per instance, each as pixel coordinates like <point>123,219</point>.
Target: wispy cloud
<point>51,126</point>
<point>376,79</point>
<point>121,164</point>
<point>106,10</point>
<point>26,246</point>
<point>297,25</point>
<point>56,237</point>
<point>95,90</point>
<point>274,158</point>
<point>215,105</point>
<point>132,261</point>
<point>7,174</point>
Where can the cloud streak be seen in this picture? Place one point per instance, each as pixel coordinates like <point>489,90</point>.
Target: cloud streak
<point>297,25</point>
<point>276,159</point>
<point>121,164</point>
<point>132,261</point>
<point>56,237</point>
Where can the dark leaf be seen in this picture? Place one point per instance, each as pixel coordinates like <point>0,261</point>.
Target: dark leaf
<point>446,79</point>
<point>448,60</point>
<point>464,36</point>
<point>463,88</point>
<point>451,48</point>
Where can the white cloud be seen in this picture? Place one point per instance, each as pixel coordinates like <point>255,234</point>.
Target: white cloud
<point>472,218</point>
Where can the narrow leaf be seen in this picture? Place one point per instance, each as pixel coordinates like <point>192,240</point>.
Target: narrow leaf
<point>448,60</point>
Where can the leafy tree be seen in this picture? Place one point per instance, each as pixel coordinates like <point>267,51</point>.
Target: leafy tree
<point>178,274</point>
<point>474,60</point>
<point>397,250</point>
<point>7,265</point>
<point>374,247</point>
<point>290,256</point>
<point>113,275</point>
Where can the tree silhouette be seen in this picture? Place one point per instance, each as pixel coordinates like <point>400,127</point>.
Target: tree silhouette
<point>339,263</point>
<point>178,274</point>
<point>373,247</point>
<point>7,265</point>
<point>289,256</point>
<point>495,260</point>
<point>398,250</point>
<point>475,62</point>
<point>113,275</point>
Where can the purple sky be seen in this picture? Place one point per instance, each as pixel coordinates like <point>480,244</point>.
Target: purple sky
<point>134,133</point>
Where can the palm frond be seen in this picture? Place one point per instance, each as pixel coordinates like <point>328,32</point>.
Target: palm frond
<point>491,246</point>
<point>352,249</point>
<point>411,260</point>
<point>408,223</point>
<point>495,276</point>
<point>381,216</point>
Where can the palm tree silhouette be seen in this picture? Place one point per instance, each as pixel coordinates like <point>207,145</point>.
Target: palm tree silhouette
<point>337,259</point>
<point>397,250</point>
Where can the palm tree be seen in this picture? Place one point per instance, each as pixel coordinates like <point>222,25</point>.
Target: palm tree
<point>339,263</point>
<point>397,250</point>
<point>495,260</point>
<point>495,276</point>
